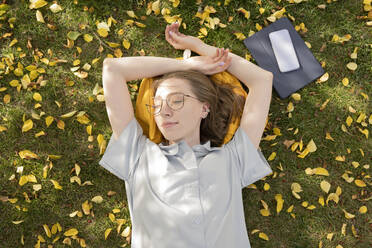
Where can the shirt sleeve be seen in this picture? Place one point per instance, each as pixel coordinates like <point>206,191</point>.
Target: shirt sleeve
<point>121,156</point>
<point>250,162</point>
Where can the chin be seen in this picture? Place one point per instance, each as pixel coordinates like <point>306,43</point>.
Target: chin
<point>171,137</point>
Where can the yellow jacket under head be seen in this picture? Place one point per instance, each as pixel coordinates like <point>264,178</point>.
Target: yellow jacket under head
<point>148,123</point>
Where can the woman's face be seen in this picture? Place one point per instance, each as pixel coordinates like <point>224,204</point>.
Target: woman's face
<point>187,119</point>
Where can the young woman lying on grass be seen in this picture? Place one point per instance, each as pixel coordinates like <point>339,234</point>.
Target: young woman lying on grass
<point>187,191</point>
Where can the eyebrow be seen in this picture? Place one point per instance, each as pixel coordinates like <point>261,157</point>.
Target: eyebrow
<point>171,93</point>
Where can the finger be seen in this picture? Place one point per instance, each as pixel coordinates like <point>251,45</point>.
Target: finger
<point>167,35</point>
<point>174,27</point>
<point>218,55</point>
<point>166,32</point>
<point>225,63</point>
<point>221,55</point>
<point>226,55</point>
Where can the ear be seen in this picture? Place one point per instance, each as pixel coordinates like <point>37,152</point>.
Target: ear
<point>206,106</point>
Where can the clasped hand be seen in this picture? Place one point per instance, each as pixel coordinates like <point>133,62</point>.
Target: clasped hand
<point>205,64</point>
<point>210,65</point>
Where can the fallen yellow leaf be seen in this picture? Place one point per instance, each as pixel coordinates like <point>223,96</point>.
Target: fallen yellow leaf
<point>363,209</point>
<point>71,232</point>
<point>321,200</point>
<point>39,16</point>
<point>332,196</point>
<point>49,120</point>
<point>112,217</point>
<point>23,180</point>
<point>36,4</point>
<point>61,124</point>
<point>27,154</point>
<point>97,199</point>
<point>88,37</point>
<point>55,8</point>
<point>325,186</point>
<point>265,212</point>
<point>296,96</point>
<point>246,13</point>
<point>345,81</point>
<point>349,120</point>
<point>272,156</point>
<point>280,201</point>
<point>352,66</point>
<point>56,184</point>
<point>126,232</point>
<point>311,146</point>
<point>263,236</point>
<point>102,32</point>
<point>27,125</point>
<point>17,222</point>
<point>47,230</point>
<point>68,114</point>
<point>348,215</point>
<point>107,232</point>
<point>126,44</point>
<point>320,171</point>
<point>360,183</point>
<point>86,207</point>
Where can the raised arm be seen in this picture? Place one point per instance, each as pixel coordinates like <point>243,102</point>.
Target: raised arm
<point>117,71</point>
<point>258,80</point>
<point>257,103</point>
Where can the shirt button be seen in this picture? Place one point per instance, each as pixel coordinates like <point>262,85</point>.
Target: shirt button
<point>196,220</point>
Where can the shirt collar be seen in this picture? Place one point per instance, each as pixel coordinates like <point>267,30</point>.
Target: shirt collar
<point>174,149</point>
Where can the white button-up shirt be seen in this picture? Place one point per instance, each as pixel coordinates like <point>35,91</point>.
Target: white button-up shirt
<point>181,196</point>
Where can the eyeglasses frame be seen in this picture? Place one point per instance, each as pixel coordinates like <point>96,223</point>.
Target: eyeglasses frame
<point>166,99</point>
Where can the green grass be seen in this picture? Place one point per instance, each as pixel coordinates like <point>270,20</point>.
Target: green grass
<point>49,205</point>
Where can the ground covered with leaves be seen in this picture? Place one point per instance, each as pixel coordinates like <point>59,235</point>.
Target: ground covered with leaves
<point>54,126</point>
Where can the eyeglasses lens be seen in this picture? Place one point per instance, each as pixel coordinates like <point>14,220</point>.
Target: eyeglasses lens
<point>175,102</point>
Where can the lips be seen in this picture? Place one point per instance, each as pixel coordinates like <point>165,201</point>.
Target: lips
<point>169,124</point>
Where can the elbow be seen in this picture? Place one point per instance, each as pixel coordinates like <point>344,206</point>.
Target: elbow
<point>107,62</point>
<point>112,69</point>
<point>267,78</point>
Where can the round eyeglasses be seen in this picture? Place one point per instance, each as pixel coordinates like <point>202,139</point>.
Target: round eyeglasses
<point>174,100</point>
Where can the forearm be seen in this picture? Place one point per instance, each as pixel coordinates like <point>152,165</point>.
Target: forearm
<point>248,73</point>
<point>138,67</point>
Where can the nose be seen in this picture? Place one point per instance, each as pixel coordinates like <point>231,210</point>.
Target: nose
<point>166,111</point>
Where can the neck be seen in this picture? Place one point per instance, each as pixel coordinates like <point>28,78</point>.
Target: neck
<point>190,141</point>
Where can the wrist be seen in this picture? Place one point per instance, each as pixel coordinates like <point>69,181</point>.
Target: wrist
<point>186,65</point>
